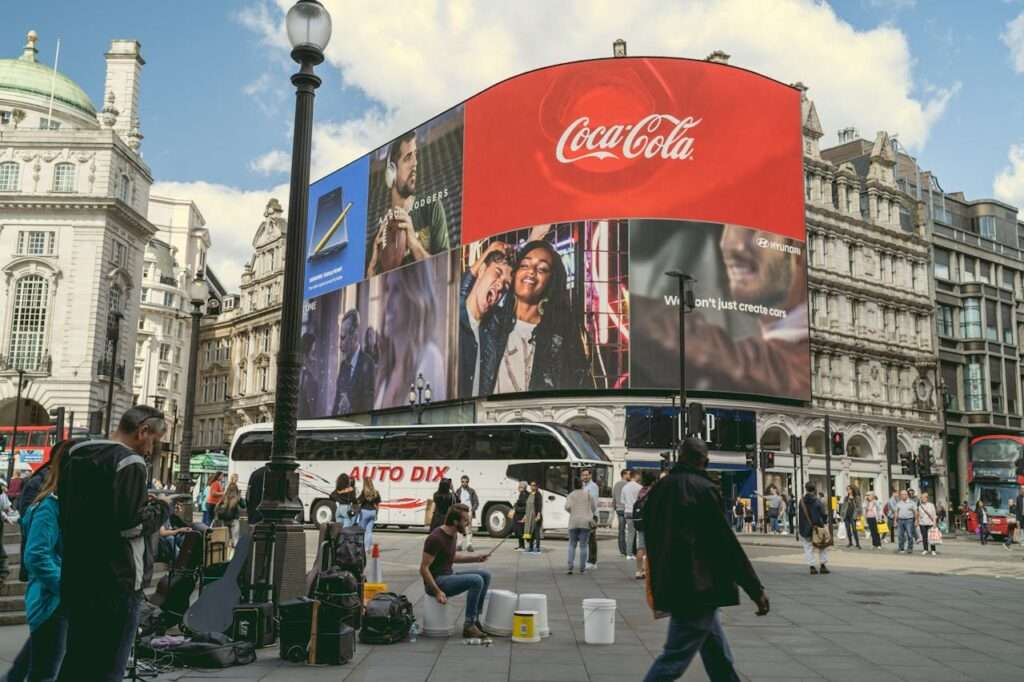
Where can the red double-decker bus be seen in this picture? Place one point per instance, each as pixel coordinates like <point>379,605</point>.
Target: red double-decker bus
<point>32,448</point>
<point>992,478</point>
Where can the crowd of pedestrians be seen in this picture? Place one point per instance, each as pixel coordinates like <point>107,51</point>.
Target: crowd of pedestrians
<point>360,510</point>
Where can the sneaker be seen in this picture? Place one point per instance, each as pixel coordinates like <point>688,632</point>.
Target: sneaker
<point>469,548</point>
<point>924,553</point>
<point>459,548</point>
<point>630,557</point>
<point>824,570</point>
<point>639,575</point>
<point>934,553</point>
<point>814,571</point>
<point>472,631</point>
<point>569,572</point>
<point>520,549</point>
<point>591,567</point>
<point>1006,547</point>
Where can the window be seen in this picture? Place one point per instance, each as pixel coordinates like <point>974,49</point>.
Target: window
<point>985,271</point>
<point>1006,318</point>
<point>970,319</point>
<point>974,384</point>
<point>177,355</point>
<point>161,378</point>
<point>206,389</point>
<point>124,192</point>
<point>64,177</point>
<point>165,352</point>
<point>987,226</point>
<point>145,294</point>
<point>1007,281</point>
<point>995,375</point>
<point>169,299</point>
<point>168,326</point>
<point>175,378</point>
<point>5,117</point>
<point>142,321</point>
<point>36,242</point>
<point>48,123</point>
<point>28,326</point>
<point>969,269</point>
<point>9,176</point>
<point>944,320</point>
<point>147,270</point>
<point>1012,405</point>
<point>137,376</point>
<point>261,378</point>
<point>120,254</point>
<point>243,378</point>
<point>949,377</point>
<point>114,299</point>
<point>991,323</point>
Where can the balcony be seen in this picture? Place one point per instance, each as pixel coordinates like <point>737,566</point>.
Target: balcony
<point>39,365</point>
<point>170,281</point>
<point>103,369</point>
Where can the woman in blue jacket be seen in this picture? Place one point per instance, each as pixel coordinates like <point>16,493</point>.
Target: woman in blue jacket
<point>41,656</point>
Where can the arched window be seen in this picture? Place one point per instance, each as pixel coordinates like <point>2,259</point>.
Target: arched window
<point>9,176</point>
<point>28,328</point>
<point>591,426</point>
<point>774,438</point>
<point>64,177</point>
<point>114,299</point>
<point>125,192</point>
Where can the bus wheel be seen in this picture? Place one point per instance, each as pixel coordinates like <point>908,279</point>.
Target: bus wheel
<point>322,512</point>
<point>496,520</point>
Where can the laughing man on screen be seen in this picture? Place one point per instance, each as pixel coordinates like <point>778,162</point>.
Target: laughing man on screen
<point>411,228</point>
<point>483,286</point>
<point>761,277</point>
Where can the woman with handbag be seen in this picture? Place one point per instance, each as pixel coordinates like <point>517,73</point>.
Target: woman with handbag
<point>344,496</point>
<point>518,515</point>
<point>229,510</point>
<point>368,501</point>
<point>872,513</point>
<point>850,511</point>
<point>534,519</point>
<point>982,515</point>
<point>927,520</point>
<point>814,530</point>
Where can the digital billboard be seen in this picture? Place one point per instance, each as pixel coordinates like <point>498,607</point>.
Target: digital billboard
<point>518,242</point>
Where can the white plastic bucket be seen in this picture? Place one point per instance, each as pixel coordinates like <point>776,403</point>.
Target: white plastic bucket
<point>436,622</point>
<point>501,604</point>
<point>538,603</point>
<point>599,621</point>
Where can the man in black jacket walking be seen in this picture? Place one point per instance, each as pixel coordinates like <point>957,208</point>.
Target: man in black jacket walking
<point>696,563</point>
<point>107,519</point>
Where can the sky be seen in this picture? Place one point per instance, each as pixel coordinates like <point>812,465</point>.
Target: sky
<point>216,104</point>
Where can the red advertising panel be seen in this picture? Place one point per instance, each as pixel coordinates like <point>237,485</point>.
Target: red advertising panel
<point>645,138</point>
<point>518,243</point>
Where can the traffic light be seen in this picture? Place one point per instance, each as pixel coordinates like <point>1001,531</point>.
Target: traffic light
<point>3,442</point>
<point>796,446</point>
<point>892,448</point>
<point>907,464</point>
<point>751,459</point>
<point>767,459</point>
<point>838,444</point>
<point>58,422</point>
<point>924,460</point>
<point>694,419</point>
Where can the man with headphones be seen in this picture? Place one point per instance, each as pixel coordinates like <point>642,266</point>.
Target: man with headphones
<point>410,229</point>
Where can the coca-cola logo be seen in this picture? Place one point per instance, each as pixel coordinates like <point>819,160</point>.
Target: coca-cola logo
<point>654,136</point>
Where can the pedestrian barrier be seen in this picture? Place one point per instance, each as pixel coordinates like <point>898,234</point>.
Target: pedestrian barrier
<point>599,621</point>
<point>501,606</point>
<point>539,604</point>
<point>437,619</point>
<point>524,627</point>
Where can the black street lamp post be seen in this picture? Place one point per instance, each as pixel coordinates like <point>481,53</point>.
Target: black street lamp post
<point>420,396</point>
<point>197,292</point>
<point>114,337</point>
<point>17,419</point>
<point>309,30</point>
<point>685,302</point>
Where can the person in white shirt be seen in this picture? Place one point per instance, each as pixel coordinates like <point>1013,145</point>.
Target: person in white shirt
<point>587,479</point>
<point>926,519</point>
<point>630,492</point>
<point>468,497</point>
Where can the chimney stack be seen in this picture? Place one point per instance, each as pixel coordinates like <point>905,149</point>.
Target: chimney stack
<point>124,66</point>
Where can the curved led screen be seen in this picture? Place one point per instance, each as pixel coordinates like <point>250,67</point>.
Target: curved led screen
<point>519,242</point>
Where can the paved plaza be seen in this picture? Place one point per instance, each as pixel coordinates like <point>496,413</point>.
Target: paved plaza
<point>878,616</point>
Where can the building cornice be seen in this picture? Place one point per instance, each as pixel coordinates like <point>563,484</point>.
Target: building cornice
<point>37,202</point>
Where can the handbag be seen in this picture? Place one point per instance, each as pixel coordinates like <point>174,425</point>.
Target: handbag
<point>883,527</point>
<point>934,536</point>
<point>821,536</point>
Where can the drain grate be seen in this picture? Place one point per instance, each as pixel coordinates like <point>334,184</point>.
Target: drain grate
<point>869,593</point>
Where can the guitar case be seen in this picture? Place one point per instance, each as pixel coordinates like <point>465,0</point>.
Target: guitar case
<point>214,610</point>
<point>174,591</point>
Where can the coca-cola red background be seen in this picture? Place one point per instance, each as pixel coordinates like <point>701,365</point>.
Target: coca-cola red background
<point>745,165</point>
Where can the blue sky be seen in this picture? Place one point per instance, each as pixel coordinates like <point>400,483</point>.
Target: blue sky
<point>216,104</point>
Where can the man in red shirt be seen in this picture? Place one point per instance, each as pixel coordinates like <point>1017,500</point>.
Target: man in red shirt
<point>440,582</point>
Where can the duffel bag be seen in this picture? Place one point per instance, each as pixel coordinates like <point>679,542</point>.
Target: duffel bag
<point>387,619</point>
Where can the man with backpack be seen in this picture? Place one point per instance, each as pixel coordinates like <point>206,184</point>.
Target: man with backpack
<point>630,492</point>
<point>441,582</point>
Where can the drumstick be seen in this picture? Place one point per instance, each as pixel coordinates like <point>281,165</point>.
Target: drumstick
<point>496,547</point>
<point>330,232</point>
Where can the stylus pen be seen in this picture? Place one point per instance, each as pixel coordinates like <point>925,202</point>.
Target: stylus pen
<point>330,232</point>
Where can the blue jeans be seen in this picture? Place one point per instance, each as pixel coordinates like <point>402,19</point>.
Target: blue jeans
<point>688,635</point>
<point>621,513</point>
<point>41,656</point>
<point>475,582</point>
<point>907,531</point>
<point>101,631</point>
<point>341,515</point>
<point>581,537</point>
<point>367,517</point>
<point>208,513</point>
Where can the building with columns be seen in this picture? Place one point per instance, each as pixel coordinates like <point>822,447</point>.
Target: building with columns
<point>237,373</point>
<point>74,191</point>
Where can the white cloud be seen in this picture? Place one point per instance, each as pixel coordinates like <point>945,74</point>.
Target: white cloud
<point>414,60</point>
<point>1009,184</point>
<point>1013,38</point>
<point>232,216</point>
<point>276,161</point>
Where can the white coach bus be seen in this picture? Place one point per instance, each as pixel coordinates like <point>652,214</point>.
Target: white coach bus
<point>407,463</point>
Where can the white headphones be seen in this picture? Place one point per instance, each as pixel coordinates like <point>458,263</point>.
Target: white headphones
<point>390,173</point>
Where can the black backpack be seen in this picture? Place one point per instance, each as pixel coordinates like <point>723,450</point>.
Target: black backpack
<point>387,620</point>
<point>349,551</point>
<point>338,593</point>
<point>638,513</point>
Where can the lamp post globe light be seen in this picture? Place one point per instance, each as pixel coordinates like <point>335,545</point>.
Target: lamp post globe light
<point>309,30</point>
<point>198,290</point>
<point>420,396</point>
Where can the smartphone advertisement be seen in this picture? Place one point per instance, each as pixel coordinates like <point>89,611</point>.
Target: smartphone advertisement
<point>518,242</point>
<point>336,239</point>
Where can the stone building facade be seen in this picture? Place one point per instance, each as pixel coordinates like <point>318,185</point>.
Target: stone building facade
<point>74,191</point>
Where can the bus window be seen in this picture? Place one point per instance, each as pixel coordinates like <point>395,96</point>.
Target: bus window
<point>253,447</point>
<point>330,445</point>
<point>442,444</point>
<point>401,445</point>
<point>491,444</point>
<point>539,443</point>
<point>21,438</point>
<point>556,478</point>
<point>584,445</point>
<point>38,438</point>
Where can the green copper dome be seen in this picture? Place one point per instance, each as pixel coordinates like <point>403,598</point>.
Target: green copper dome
<point>26,75</point>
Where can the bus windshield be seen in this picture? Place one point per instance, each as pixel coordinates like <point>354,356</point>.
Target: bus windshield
<point>995,450</point>
<point>583,443</point>
<point>996,498</point>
